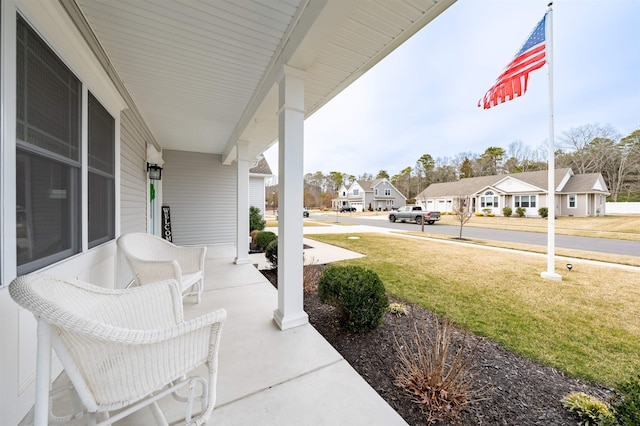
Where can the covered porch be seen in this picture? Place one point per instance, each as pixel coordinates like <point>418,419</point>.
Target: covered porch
<point>267,376</point>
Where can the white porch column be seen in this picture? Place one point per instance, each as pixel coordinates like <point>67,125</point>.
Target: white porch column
<point>242,238</point>
<point>290,311</point>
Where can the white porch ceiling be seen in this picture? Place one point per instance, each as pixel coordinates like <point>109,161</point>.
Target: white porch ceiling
<point>203,73</point>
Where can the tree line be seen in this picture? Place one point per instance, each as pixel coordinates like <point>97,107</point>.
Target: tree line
<point>590,148</point>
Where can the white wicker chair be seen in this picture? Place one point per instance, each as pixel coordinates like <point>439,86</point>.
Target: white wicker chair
<point>122,349</point>
<point>153,259</point>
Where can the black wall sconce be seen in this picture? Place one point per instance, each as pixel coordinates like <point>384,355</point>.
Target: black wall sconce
<point>155,171</point>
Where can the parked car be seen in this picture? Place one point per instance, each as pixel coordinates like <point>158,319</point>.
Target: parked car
<point>305,212</point>
<point>414,214</point>
<point>347,209</point>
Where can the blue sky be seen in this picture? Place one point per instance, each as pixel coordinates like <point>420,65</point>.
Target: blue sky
<point>422,98</point>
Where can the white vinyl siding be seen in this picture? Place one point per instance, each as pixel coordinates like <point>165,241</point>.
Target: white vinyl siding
<point>133,179</point>
<point>257,193</point>
<point>201,193</point>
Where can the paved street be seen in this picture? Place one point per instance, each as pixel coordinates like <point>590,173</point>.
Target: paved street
<point>603,245</point>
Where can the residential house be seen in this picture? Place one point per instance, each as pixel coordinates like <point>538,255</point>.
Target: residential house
<point>95,94</point>
<point>258,175</point>
<point>576,195</point>
<point>377,194</point>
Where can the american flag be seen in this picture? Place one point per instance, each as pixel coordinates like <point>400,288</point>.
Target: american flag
<point>513,80</point>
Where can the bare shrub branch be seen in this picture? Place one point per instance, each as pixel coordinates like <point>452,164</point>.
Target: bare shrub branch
<point>435,369</point>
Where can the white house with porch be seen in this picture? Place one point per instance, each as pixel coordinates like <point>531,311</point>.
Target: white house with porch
<point>376,194</point>
<point>98,97</point>
<point>576,195</point>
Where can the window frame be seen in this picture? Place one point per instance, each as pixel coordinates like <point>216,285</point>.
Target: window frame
<point>489,197</point>
<point>572,198</point>
<point>77,230</point>
<point>104,175</point>
<point>531,200</point>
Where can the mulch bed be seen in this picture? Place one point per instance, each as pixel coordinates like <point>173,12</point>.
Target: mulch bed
<point>517,391</point>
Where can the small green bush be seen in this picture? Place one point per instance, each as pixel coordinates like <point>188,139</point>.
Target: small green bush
<point>520,211</point>
<point>397,309</point>
<point>590,410</point>
<point>255,219</point>
<point>264,238</point>
<point>543,211</point>
<point>626,402</point>
<point>357,292</point>
<point>506,211</point>
<point>271,253</point>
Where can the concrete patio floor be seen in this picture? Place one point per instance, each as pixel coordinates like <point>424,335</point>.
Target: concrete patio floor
<point>268,376</point>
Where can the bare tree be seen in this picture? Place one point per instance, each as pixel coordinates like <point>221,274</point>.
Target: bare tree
<point>582,144</point>
<point>462,207</point>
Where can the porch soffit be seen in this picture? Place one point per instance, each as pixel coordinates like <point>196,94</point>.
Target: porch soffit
<point>203,74</point>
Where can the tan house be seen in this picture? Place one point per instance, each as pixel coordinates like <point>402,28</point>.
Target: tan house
<point>576,195</point>
<point>379,194</point>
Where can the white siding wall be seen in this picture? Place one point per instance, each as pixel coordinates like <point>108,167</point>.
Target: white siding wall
<point>133,178</point>
<point>256,193</point>
<point>201,193</point>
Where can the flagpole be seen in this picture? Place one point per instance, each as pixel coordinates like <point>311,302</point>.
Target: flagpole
<point>551,191</point>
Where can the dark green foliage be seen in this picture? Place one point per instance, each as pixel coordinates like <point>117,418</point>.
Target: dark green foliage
<point>255,219</point>
<point>264,238</point>
<point>507,211</point>
<point>271,253</point>
<point>626,402</point>
<point>356,291</point>
<point>543,211</point>
<point>520,211</point>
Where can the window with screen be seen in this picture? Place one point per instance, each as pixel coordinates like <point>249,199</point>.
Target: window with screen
<point>101,196</point>
<point>47,154</point>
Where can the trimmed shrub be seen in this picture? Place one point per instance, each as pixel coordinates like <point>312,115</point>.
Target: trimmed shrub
<point>357,292</point>
<point>478,214</point>
<point>255,219</point>
<point>543,211</point>
<point>271,253</point>
<point>506,211</point>
<point>264,238</point>
<point>590,410</point>
<point>520,211</point>
<point>626,402</point>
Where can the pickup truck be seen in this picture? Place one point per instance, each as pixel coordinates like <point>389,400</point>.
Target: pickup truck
<point>414,214</point>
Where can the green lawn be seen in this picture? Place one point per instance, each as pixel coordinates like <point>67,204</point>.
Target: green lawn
<point>587,325</point>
